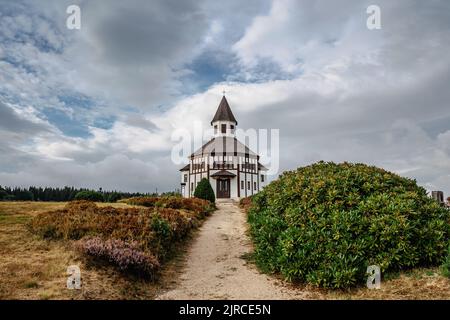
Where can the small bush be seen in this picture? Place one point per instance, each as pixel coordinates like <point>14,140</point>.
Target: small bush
<point>205,191</point>
<point>199,206</point>
<point>126,256</point>
<point>202,206</point>
<point>170,202</point>
<point>142,201</point>
<point>112,197</point>
<point>245,203</point>
<point>325,223</point>
<point>89,195</point>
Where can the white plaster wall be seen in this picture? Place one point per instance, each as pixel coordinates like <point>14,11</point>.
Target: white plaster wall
<point>233,188</point>
<point>230,132</point>
<point>212,181</point>
<point>262,184</point>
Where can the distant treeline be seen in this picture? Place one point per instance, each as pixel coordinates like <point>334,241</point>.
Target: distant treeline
<point>62,194</point>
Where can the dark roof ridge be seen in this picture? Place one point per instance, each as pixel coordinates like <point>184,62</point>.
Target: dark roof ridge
<point>224,112</point>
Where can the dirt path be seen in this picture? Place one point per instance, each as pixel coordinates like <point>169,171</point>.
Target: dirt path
<point>216,269</point>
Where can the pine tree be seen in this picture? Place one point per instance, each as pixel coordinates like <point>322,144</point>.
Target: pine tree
<point>204,191</point>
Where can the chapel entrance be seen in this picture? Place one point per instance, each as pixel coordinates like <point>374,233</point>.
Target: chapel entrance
<point>223,188</point>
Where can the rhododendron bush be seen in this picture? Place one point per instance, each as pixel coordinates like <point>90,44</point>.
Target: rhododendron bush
<point>326,223</point>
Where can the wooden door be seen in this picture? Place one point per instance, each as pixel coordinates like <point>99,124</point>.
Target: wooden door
<point>223,188</point>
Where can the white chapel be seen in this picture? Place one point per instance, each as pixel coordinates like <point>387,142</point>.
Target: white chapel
<point>230,166</point>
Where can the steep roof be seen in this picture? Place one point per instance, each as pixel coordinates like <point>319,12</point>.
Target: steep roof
<point>261,167</point>
<point>223,112</point>
<point>224,145</point>
<point>185,168</point>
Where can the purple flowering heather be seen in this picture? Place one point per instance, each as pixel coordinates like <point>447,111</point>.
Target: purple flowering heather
<point>127,256</point>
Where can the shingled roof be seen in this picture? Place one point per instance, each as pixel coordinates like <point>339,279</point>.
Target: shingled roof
<point>224,146</point>
<point>223,112</point>
<point>223,173</point>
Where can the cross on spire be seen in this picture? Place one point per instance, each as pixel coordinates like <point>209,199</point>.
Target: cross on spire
<point>224,92</point>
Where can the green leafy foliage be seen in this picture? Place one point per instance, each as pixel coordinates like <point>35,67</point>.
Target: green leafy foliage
<point>446,265</point>
<point>90,196</point>
<point>62,194</point>
<point>112,197</point>
<point>325,223</point>
<point>204,191</point>
<point>3,194</point>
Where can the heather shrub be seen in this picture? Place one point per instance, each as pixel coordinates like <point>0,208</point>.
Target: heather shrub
<point>142,201</point>
<point>170,202</point>
<point>203,207</point>
<point>155,231</point>
<point>127,256</point>
<point>199,206</point>
<point>179,223</point>
<point>325,223</point>
<point>204,191</point>
<point>245,203</point>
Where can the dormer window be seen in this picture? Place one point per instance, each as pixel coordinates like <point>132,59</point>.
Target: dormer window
<point>224,128</point>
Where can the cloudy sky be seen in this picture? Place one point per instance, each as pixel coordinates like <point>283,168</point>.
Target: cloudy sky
<point>97,107</point>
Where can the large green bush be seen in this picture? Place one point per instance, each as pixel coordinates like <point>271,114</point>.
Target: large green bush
<point>89,195</point>
<point>325,223</point>
<point>204,191</point>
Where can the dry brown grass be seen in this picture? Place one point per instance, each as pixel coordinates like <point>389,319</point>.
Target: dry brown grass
<point>423,284</point>
<point>32,268</point>
<point>418,284</point>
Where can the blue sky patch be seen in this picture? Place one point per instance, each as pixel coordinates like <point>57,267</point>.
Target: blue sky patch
<point>77,101</point>
<point>208,68</point>
<point>70,126</point>
<point>104,123</point>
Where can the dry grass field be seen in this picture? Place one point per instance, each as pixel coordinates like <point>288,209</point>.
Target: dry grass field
<point>32,268</point>
<point>418,284</point>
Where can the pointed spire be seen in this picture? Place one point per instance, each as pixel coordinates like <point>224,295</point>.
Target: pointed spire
<point>223,112</point>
